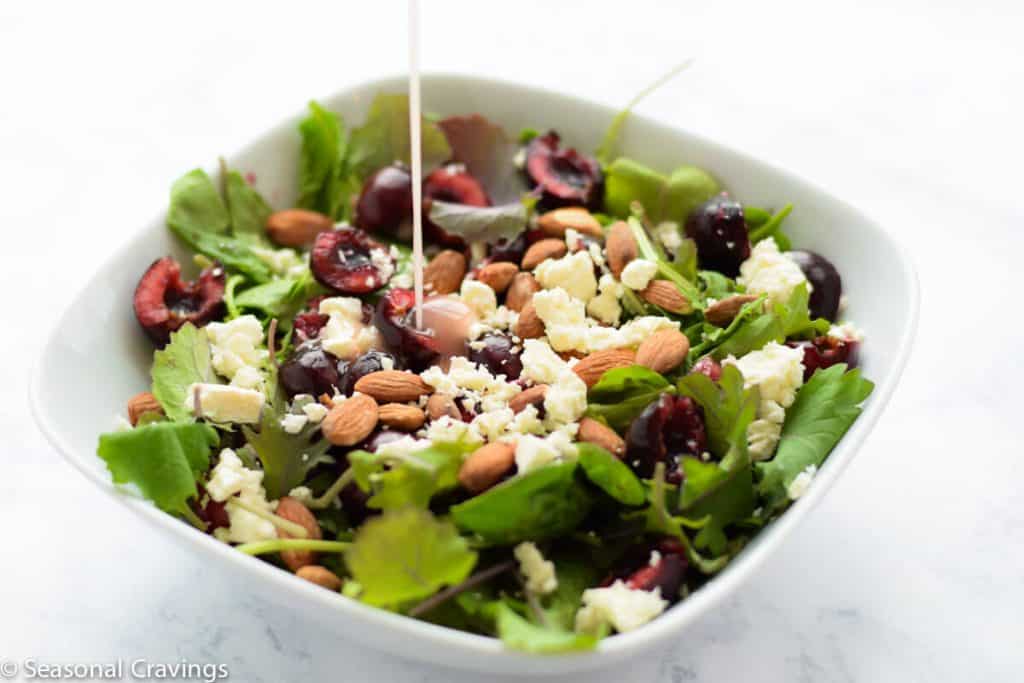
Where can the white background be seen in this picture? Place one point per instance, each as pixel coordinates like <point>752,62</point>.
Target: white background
<point>913,567</point>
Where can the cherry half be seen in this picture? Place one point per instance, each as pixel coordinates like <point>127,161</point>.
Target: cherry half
<point>385,202</point>
<point>668,428</point>
<point>720,231</point>
<point>826,285</point>
<point>450,183</point>
<point>343,260</point>
<point>164,302</point>
<point>826,351</point>
<point>564,177</point>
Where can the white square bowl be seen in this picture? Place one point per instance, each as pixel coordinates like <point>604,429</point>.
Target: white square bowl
<point>97,356</point>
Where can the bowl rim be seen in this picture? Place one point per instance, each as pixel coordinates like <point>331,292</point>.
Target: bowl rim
<point>609,649</point>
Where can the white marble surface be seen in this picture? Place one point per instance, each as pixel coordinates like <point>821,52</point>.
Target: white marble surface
<point>911,570</point>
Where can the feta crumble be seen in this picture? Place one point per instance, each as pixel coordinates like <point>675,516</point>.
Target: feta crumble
<point>234,350</point>
<point>801,482</point>
<point>638,273</point>
<point>778,372</point>
<point>480,298</point>
<point>605,306</point>
<point>224,403</point>
<point>538,572</point>
<point>846,331</point>
<point>315,412</point>
<point>573,272</point>
<point>768,271</point>
<point>668,233</point>
<point>345,335</point>
<point>623,607</point>
<point>229,478</point>
<point>293,423</point>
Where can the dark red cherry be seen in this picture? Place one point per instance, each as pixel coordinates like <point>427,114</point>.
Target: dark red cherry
<point>395,321</point>
<point>385,203</point>
<point>827,286</point>
<point>635,569</point>
<point>720,232</point>
<point>708,366</point>
<point>308,325</point>
<point>563,177</point>
<point>825,351</point>
<point>450,183</point>
<point>508,250</point>
<point>371,361</point>
<point>667,429</point>
<point>164,302</point>
<point>309,370</point>
<point>498,354</point>
<point>350,262</point>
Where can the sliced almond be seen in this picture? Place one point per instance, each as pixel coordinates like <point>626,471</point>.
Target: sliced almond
<point>721,313</point>
<point>620,248</point>
<point>600,434</point>
<point>321,576</point>
<point>522,289</point>
<point>542,250</point>
<point>663,351</point>
<point>143,403</point>
<point>555,223</point>
<point>486,466</point>
<point>393,386</point>
<point>667,296</point>
<point>596,364</point>
<point>534,396</point>
<point>294,511</point>
<point>401,416</point>
<point>297,227</point>
<point>439,405</point>
<point>444,273</point>
<point>498,275</point>
<point>350,421</point>
<point>529,325</point>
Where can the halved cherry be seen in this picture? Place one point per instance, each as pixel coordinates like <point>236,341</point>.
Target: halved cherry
<point>450,183</point>
<point>564,177</point>
<point>667,429</point>
<point>826,351</point>
<point>635,568</point>
<point>350,262</point>
<point>385,202</point>
<point>394,321</point>
<point>164,302</point>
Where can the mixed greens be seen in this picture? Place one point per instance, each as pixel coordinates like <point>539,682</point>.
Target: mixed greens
<point>623,376</point>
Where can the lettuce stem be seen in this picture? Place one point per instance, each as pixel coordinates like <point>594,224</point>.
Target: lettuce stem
<point>279,544</point>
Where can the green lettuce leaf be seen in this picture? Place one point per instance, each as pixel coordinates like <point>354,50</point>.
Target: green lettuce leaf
<point>726,404</point>
<point>406,555</point>
<point>282,298</point>
<point>476,223</point>
<point>384,138</point>
<point>233,253</point>
<point>824,409</point>
<point>750,331</point>
<point>196,205</point>
<point>325,179</point>
<point>622,393</point>
<point>610,474</point>
<point>518,633</point>
<point>722,496</point>
<point>409,480</point>
<point>771,227</point>
<point>183,362</point>
<point>247,209</point>
<point>544,503</point>
<point>163,459</point>
<point>664,198</point>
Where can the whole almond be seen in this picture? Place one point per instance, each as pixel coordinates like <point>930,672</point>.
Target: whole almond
<point>401,416</point>
<point>620,248</point>
<point>393,386</point>
<point>529,325</point>
<point>143,403</point>
<point>350,421</point>
<point>522,289</point>
<point>444,273</point>
<point>321,576</point>
<point>439,405</point>
<point>542,250</point>
<point>297,227</point>
<point>596,364</point>
<point>498,275</point>
<point>296,512</point>
<point>666,295</point>
<point>592,431</point>
<point>721,313</point>
<point>663,351</point>
<point>555,223</point>
<point>486,466</point>
<point>528,397</point>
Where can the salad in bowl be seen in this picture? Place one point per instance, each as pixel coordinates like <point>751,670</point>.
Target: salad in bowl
<point>616,379</point>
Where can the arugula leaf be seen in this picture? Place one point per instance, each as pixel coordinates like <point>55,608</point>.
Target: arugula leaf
<point>749,332</point>
<point>321,160</point>
<point>576,573</point>
<point>488,153</point>
<point>519,634</point>
<point>772,227</point>
<point>544,503</point>
<point>410,480</point>
<point>716,286</point>
<point>183,362</point>
<point>622,393</point>
<point>610,474</point>
<point>670,197</point>
<point>722,495</point>
<point>384,138</point>
<point>247,209</point>
<point>824,409</point>
<point>476,223</point>
<point>163,459</point>
<point>281,298</point>
<point>232,252</point>
<point>725,404</point>
<point>406,555</point>
<point>196,205</point>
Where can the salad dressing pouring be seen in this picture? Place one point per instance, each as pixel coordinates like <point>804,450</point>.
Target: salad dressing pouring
<point>416,157</point>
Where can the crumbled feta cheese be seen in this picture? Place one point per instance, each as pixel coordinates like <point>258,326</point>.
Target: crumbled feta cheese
<point>292,423</point>
<point>538,572</point>
<point>634,332</point>
<point>447,429</point>
<point>315,412</point>
<point>573,272</point>
<point>846,331</point>
<point>638,273</point>
<point>491,424</point>
<point>345,335</point>
<point>566,398</point>
<point>480,298</point>
<point>533,451</point>
<point>778,372</point>
<point>303,494</point>
<point>762,438</point>
<point>596,255</point>
<point>540,363</point>
<point>768,271</point>
<point>466,378</point>
<point>383,262</point>
<point>667,232</point>
<point>234,351</point>
<point>281,261</point>
<point>623,607</point>
<point>557,306</point>
<point>527,421</point>
<point>605,306</point>
<point>502,318</point>
<point>225,403</point>
<point>654,559</point>
<point>230,478</point>
<point>573,239</point>
<point>401,447</point>
<point>801,482</point>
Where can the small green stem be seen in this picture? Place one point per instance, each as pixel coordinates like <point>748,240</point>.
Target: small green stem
<point>280,522</point>
<point>323,501</point>
<point>277,545</point>
<point>193,519</point>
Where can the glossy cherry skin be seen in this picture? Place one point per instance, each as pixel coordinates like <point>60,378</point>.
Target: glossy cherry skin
<point>826,285</point>
<point>498,355</point>
<point>720,231</point>
<point>342,260</point>
<point>309,370</point>
<point>450,183</point>
<point>394,319</point>
<point>825,351</point>
<point>385,202</point>
<point>164,302</point>
<point>668,428</point>
<point>371,361</point>
<point>562,177</point>
<point>666,574</point>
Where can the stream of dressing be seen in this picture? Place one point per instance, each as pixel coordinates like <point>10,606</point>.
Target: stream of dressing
<point>416,157</point>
